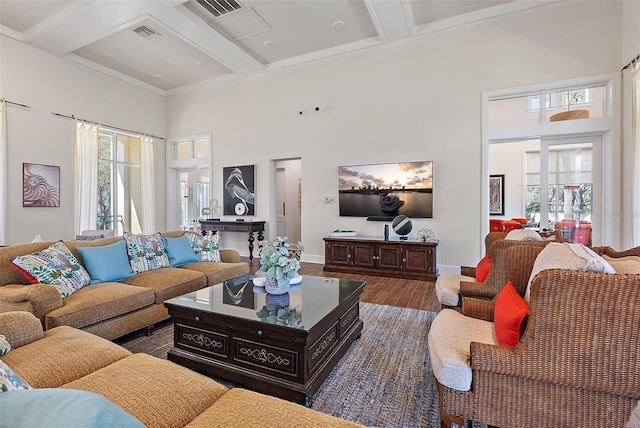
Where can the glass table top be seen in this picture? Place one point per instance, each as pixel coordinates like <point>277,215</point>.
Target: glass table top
<point>302,307</point>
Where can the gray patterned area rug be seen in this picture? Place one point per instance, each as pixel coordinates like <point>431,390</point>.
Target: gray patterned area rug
<point>383,380</point>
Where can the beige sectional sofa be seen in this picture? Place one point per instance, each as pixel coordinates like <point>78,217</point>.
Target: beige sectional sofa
<point>157,392</point>
<point>109,309</point>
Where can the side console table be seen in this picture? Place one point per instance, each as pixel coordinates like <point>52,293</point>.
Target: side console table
<point>249,227</point>
<point>411,259</point>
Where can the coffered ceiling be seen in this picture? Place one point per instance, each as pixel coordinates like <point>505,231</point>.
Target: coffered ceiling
<point>167,46</point>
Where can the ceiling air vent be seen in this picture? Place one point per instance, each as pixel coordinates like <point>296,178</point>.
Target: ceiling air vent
<point>146,32</point>
<point>219,7</point>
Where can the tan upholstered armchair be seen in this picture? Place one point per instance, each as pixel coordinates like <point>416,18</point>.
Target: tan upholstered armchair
<point>578,363</point>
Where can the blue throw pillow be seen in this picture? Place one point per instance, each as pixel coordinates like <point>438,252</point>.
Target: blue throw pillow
<point>179,251</point>
<point>107,263</point>
<point>60,407</point>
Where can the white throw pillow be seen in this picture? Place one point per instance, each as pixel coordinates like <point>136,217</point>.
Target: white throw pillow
<point>523,235</point>
<point>567,256</point>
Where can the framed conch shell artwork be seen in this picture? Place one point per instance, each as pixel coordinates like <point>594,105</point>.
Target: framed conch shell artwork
<point>40,185</point>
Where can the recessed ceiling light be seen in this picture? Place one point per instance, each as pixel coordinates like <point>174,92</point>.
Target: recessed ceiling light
<point>270,44</point>
<point>338,25</point>
<point>158,76</point>
<point>201,63</point>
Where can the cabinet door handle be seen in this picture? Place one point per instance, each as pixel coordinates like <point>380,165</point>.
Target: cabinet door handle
<point>404,260</point>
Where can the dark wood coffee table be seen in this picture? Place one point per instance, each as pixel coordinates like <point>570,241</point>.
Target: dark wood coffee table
<point>217,331</point>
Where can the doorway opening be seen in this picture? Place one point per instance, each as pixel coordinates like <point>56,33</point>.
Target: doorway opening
<point>288,199</point>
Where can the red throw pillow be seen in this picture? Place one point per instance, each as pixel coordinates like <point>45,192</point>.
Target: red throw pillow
<point>482,270</point>
<point>510,316</point>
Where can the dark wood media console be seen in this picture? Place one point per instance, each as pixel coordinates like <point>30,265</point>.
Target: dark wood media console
<point>410,259</point>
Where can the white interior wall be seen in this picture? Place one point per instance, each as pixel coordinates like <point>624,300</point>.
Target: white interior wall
<point>417,99</point>
<point>508,159</point>
<point>49,84</point>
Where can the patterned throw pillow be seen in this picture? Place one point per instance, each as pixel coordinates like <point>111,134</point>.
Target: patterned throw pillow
<point>5,346</point>
<point>9,380</point>
<point>55,266</point>
<point>205,247</point>
<point>146,252</point>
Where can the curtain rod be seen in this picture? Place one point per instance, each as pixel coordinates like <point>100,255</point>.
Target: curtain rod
<point>108,126</point>
<point>631,62</point>
<point>16,104</point>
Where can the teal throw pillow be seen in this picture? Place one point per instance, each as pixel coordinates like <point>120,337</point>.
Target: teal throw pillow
<point>60,407</point>
<point>179,251</point>
<point>107,263</point>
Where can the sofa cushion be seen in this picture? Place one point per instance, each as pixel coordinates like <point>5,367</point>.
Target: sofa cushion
<point>70,355</point>
<point>179,251</point>
<point>59,407</point>
<point>205,246</point>
<point>482,269</point>
<point>168,283</point>
<point>56,266</point>
<point>10,380</point>
<point>106,263</point>
<point>5,346</point>
<point>625,265</point>
<point>263,408</point>
<point>99,302</point>
<point>146,252</point>
<point>448,288</point>
<point>157,392</point>
<point>566,256</point>
<point>449,342</point>
<point>218,272</point>
<point>510,316</point>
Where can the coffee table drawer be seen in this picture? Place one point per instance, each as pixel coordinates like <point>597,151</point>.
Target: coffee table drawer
<point>267,357</point>
<point>204,342</point>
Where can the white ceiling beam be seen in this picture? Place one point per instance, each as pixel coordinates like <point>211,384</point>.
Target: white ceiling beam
<point>389,18</point>
<point>480,15</point>
<point>197,32</point>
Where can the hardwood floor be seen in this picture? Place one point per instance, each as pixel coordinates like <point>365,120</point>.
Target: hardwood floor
<point>406,293</point>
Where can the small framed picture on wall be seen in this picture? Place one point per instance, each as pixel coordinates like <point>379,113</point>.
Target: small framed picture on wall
<point>496,194</point>
<point>40,185</point>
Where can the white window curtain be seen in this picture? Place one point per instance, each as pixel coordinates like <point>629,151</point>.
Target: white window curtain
<point>635,140</point>
<point>86,176</point>
<point>4,172</point>
<point>147,184</point>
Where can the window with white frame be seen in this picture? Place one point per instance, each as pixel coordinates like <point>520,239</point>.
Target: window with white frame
<point>119,191</point>
<point>189,181</point>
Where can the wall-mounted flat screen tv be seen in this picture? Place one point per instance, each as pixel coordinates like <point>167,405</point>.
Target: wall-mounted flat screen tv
<point>386,190</point>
